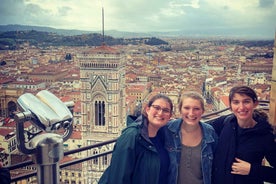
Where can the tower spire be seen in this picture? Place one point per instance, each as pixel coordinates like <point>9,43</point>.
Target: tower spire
<point>103,23</point>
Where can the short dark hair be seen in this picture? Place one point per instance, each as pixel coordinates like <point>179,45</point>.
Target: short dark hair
<point>243,90</point>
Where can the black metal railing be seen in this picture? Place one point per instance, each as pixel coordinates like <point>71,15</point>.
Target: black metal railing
<point>263,105</point>
<point>76,161</point>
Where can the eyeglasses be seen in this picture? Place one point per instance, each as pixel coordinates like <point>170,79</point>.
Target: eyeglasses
<point>158,109</point>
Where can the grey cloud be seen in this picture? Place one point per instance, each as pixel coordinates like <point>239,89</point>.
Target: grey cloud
<point>64,11</point>
<point>266,3</point>
<point>37,15</point>
<point>11,11</point>
<point>199,18</point>
<point>35,10</point>
<point>144,15</point>
<point>137,8</point>
<point>135,15</point>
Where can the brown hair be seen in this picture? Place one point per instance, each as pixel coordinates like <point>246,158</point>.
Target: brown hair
<point>156,97</point>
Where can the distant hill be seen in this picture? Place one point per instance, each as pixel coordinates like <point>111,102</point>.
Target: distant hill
<point>210,33</point>
<point>16,27</point>
<point>71,32</point>
<point>12,36</point>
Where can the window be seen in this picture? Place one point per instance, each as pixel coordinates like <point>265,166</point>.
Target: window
<point>99,113</point>
<point>105,160</point>
<point>95,160</point>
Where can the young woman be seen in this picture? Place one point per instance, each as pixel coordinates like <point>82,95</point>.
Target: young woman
<point>245,139</point>
<point>139,155</point>
<point>192,143</point>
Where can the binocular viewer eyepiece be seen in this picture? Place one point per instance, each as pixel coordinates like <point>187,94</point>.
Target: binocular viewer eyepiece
<point>46,112</point>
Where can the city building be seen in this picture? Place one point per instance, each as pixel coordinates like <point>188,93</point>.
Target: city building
<point>8,98</point>
<point>103,103</point>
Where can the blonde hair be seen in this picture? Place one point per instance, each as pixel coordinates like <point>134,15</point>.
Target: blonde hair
<point>191,94</point>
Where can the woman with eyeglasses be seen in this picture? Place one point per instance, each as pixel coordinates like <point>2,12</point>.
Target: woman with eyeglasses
<point>192,143</point>
<point>139,155</point>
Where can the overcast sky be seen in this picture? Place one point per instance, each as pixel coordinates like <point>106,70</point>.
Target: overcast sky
<point>255,17</point>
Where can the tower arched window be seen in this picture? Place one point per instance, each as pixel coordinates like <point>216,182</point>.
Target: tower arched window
<point>95,160</point>
<point>99,113</point>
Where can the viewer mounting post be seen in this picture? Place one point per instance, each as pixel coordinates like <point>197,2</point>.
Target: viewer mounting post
<point>50,115</point>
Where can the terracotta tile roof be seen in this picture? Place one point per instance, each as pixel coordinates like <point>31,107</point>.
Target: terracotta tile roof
<point>224,99</point>
<point>104,49</point>
<point>4,131</point>
<point>76,135</point>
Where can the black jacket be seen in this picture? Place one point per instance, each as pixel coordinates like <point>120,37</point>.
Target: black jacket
<point>251,145</point>
<point>5,177</point>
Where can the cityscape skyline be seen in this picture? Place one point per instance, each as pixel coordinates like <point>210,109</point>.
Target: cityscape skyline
<point>255,19</point>
<point>94,78</point>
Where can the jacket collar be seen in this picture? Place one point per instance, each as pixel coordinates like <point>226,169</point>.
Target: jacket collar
<point>175,125</point>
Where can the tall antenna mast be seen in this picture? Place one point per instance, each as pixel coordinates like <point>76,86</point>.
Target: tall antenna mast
<point>103,23</point>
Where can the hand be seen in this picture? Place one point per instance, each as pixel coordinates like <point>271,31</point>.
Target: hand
<point>1,164</point>
<point>240,167</point>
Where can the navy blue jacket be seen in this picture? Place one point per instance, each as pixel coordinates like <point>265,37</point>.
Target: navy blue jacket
<point>5,177</point>
<point>251,145</point>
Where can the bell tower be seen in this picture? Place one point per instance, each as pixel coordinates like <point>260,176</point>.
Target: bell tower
<point>103,105</point>
<point>102,76</point>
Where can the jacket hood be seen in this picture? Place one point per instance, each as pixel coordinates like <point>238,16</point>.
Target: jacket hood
<point>263,125</point>
<point>140,122</point>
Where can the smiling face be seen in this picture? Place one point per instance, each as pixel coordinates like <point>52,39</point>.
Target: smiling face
<point>158,113</point>
<point>191,110</point>
<point>243,106</point>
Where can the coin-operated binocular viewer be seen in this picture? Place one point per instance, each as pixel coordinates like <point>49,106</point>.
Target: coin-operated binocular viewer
<point>53,124</point>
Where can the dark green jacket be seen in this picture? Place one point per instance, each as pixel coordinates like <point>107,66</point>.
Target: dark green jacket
<point>134,158</point>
